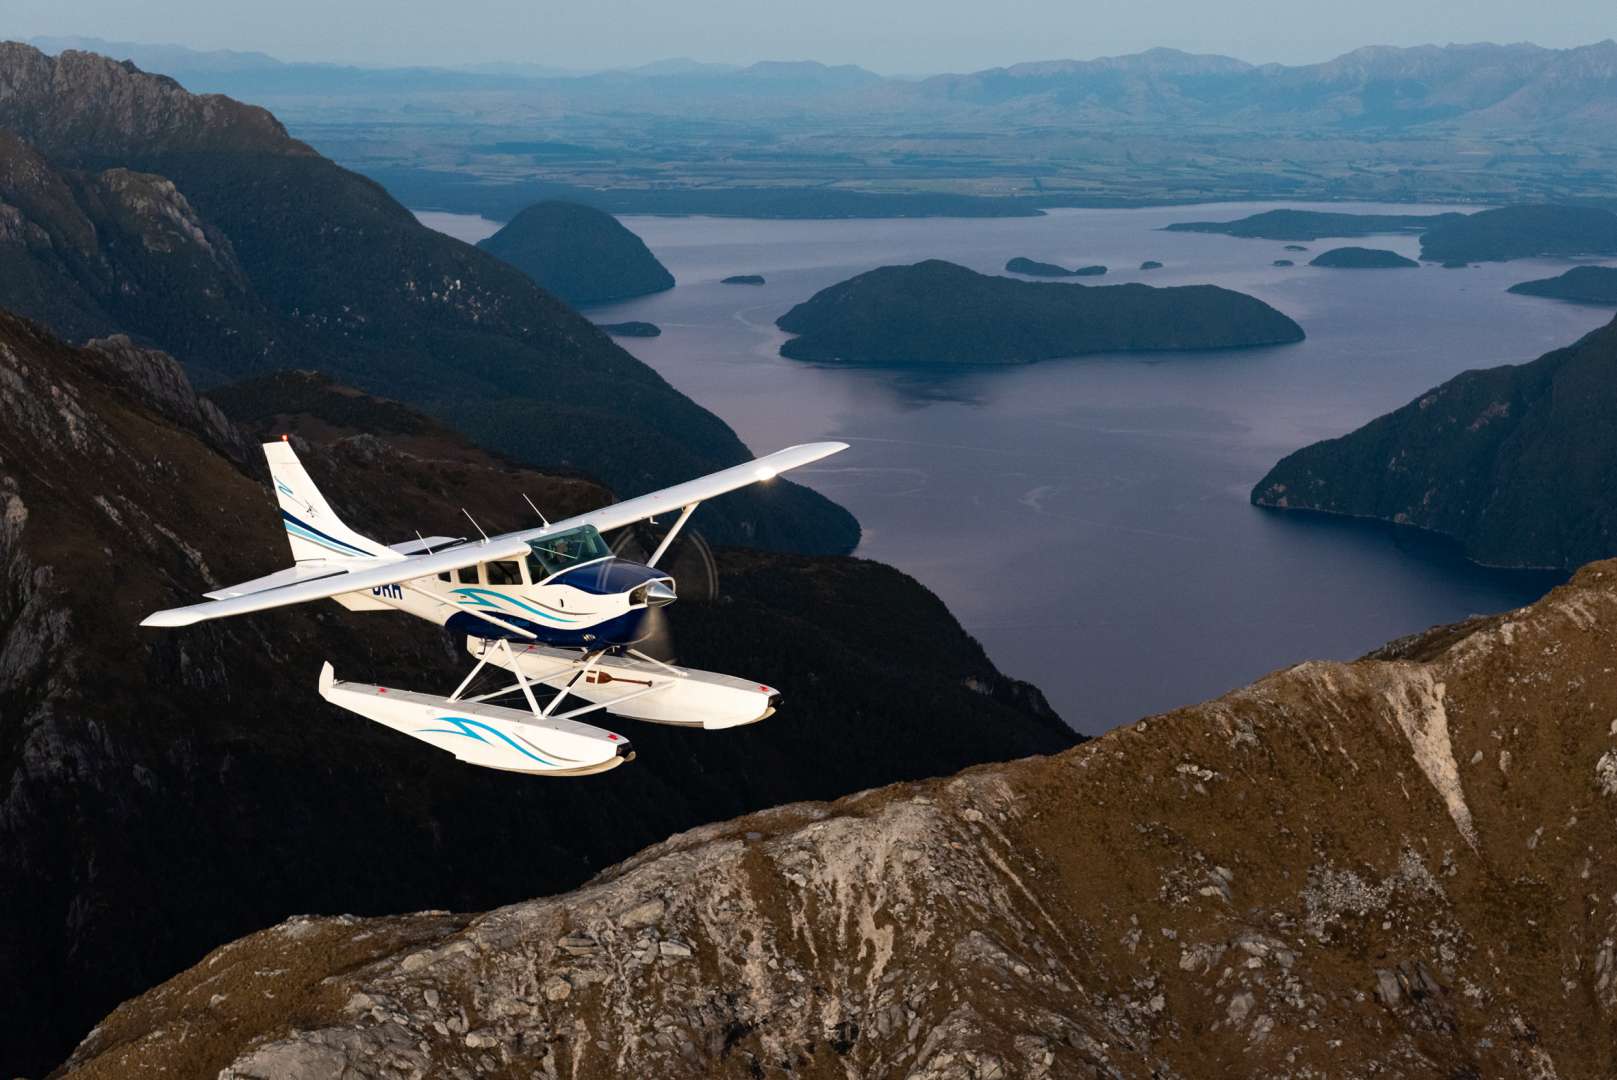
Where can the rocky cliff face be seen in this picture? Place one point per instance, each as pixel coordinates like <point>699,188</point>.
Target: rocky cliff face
<point>1514,462</point>
<point>161,793</point>
<point>195,224</point>
<point>1404,866</point>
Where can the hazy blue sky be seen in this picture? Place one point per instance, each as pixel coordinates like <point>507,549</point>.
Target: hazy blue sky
<point>886,35</point>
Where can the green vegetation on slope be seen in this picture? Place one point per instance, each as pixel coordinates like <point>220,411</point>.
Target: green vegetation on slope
<point>1520,232</point>
<point>1582,284</point>
<point>240,251</point>
<point>167,791</point>
<point>1517,463</point>
<point>1358,258</point>
<point>1313,224</point>
<point>935,312</point>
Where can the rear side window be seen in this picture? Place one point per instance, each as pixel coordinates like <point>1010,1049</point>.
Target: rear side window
<point>468,575</point>
<point>504,573</point>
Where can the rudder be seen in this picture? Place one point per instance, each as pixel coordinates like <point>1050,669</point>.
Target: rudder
<point>315,531</point>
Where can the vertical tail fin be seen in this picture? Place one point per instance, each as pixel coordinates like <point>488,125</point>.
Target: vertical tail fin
<point>316,532</point>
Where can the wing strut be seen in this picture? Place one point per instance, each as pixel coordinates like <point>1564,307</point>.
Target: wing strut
<point>662,548</point>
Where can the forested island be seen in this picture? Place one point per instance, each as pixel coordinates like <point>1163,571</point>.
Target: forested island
<point>1358,258</point>
<point>936,312</point>
<point>742,279</point>
<point>633,328</point>
<point>583,255</point>
<point>1581,284</point>
<point>1034,268</point>
<point>1313,225</point>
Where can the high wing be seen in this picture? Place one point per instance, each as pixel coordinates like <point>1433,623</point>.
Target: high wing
<point>323,578</point>
<point>701,489</point>
<point>353,575</point>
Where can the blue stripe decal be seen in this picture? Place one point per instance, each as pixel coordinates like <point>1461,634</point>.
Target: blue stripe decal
<point>480,598</point>
<point>282,487</point>
<point>464,725</point>
<point>313,539</point>
<point>290,520</point>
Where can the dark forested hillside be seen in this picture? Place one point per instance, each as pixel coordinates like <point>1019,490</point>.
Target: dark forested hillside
<point>161,792</point>
<point>1517,463</point>
<point>240,250</point>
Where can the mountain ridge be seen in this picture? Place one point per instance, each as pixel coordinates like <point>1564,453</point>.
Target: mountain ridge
<point>328,270</point>
<point>1473,87</point>
<point>1396,866</point>
<point>163,792</point>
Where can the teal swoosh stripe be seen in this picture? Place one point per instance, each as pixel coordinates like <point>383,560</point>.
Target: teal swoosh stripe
<point>463,726</point>
<point>481,597</point>
<point>312,538</point>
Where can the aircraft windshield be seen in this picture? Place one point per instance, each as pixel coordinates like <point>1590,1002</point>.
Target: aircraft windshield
<point>565,550</point>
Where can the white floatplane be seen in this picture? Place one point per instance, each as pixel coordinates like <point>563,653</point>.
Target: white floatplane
<point>553,607</point>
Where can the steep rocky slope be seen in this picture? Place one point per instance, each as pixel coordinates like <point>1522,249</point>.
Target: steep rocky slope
<point>579,253</point>
<point>162,792</point>
<point>196,224</point>
<point>1518,463</point>
<point>1400,867</point>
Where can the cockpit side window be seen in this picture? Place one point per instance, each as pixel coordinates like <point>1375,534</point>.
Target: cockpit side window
<point>468,575</point>
<point>552,554</point>
<point>504,573</point>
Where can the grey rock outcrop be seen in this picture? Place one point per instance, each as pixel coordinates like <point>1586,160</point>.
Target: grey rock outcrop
<point>1297,880</point>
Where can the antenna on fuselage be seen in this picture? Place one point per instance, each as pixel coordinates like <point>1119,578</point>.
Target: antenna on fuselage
<point>475,525</point>
<point>536,510</point>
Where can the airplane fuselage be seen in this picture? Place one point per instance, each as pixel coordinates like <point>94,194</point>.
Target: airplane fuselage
<point>593,601</point>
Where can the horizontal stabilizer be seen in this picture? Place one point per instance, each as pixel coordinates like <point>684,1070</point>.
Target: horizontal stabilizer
<point>358,575</point>
<point>292,575</point>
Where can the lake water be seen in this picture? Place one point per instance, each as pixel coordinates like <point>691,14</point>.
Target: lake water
<point>1087,519</point>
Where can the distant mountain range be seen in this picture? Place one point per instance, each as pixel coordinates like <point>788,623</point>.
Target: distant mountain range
<point>1473,88</point>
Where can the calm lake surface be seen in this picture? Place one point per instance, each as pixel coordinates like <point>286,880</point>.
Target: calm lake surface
<point>1087,519</point>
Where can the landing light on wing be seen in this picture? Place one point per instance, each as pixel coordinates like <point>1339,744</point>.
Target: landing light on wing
<point>764,472</point>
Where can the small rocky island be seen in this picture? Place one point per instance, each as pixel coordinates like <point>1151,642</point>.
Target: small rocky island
<point>743,279</point>
<point>936,312</point>
<point>1033,268</point>
<point>1358,258</point>
<point>1284,262</point>
<point>583,255</point>
<point>1581,284</point>
<point>1150,264</point>
<point>632,329</point>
